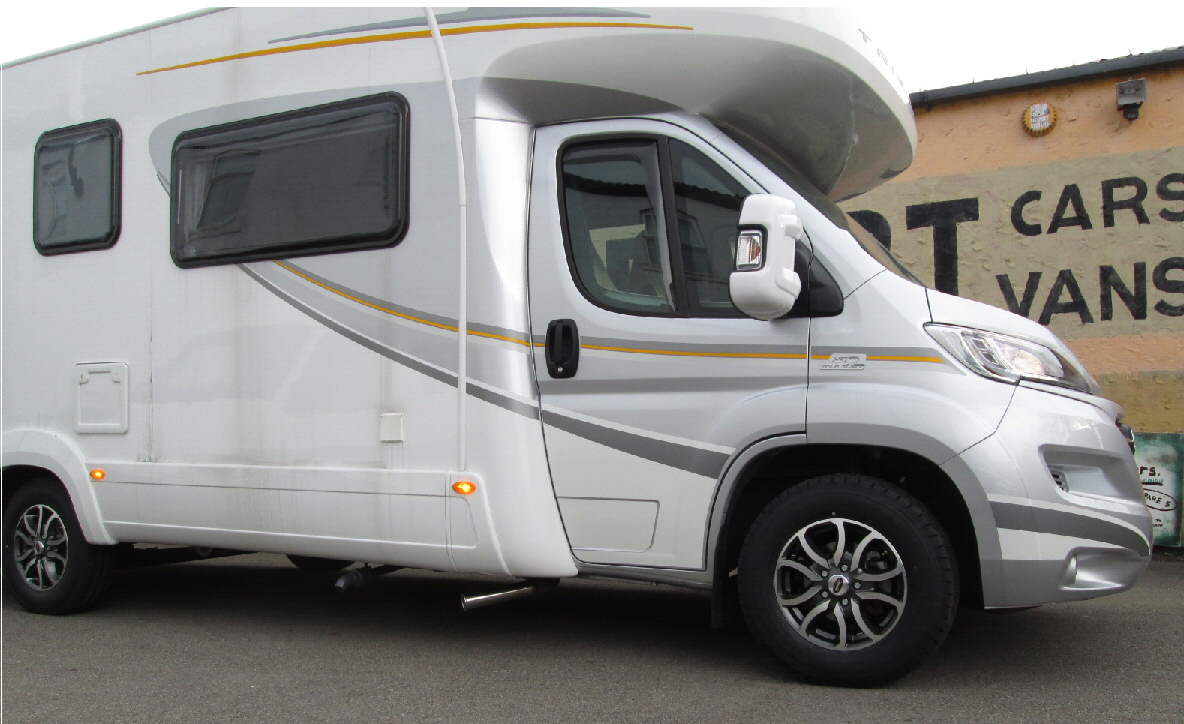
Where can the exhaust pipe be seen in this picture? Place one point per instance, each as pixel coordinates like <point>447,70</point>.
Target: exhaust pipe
<point>541,585</point>
<point>356,578</point>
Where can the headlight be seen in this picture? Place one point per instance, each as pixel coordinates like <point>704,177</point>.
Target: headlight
<point>1009,359</point>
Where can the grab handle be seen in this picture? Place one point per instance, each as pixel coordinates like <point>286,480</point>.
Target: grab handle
<point>562,348</point>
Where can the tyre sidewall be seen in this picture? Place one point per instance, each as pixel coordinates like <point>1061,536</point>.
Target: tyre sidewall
<point>73,587</point>
<point>931,596</point>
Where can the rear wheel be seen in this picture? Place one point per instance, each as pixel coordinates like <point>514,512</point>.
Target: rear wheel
<point>48,564</point>
<point>320,565</point>
<point>849,580</point>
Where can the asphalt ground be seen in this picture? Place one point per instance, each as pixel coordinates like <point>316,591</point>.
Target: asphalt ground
<point>250,638</point>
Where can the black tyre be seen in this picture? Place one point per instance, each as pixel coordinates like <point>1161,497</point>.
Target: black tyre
<point>849,580</point>
<point>49,566</point>
<point>319,565</point>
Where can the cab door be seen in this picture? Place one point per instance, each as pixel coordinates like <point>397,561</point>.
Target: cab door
<point>646,371</point>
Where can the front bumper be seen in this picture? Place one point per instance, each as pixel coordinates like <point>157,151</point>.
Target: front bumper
<point>1064,500</point>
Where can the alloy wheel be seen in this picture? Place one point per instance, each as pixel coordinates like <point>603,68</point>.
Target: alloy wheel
<point>40,546</point>
<point>840,584</point>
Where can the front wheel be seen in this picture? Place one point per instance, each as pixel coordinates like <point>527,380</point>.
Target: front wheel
<point>49,566</point>
<point>849,580</point>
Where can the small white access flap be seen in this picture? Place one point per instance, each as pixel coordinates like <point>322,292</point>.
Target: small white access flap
<point>102,397</point>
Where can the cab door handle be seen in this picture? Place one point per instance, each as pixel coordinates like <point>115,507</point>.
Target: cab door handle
<point>562,348</point>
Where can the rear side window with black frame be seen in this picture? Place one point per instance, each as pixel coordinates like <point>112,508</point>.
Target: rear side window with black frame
<point>325,179</point>
<point>76,188</point>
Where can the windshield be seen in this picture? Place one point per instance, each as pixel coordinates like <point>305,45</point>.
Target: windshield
<point>878,251</point>
<point>820,201</point>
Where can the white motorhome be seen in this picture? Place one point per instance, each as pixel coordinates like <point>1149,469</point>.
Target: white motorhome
<point>542,292</point>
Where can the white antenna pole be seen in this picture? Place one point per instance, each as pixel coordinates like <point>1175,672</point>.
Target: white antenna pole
<point>462,315</point>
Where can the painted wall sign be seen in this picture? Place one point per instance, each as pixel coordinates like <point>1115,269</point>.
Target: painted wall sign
<point>1091,247</point>
<point>1161,468</point>
<point>1000,237</point>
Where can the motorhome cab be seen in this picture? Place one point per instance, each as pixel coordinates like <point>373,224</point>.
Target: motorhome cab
<point>531,292</point>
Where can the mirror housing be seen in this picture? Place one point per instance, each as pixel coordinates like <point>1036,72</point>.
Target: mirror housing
<point>764,284</point>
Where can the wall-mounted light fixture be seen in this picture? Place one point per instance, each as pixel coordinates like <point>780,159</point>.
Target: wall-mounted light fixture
<point>1131,94</point>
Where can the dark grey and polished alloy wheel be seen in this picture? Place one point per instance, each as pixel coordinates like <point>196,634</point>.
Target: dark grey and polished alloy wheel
<point>840,583</point>
<point>40,545</point>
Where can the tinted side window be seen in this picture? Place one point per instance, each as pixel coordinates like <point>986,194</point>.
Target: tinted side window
<point>318,180</point>
<point>76,188</point>
<point>616,225</point>
<point>708,201</point>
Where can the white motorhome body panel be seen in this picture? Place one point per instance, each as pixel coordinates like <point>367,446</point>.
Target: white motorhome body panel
<point>350,513</point>
<point>238,370</point>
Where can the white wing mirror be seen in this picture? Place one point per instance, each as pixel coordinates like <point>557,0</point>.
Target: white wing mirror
<point>764,284</point>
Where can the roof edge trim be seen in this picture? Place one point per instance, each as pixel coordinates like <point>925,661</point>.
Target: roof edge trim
<point>1097,69</point>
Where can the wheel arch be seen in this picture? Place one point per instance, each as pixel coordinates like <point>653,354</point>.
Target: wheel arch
<point>30,454</point>
<point>770,466</point>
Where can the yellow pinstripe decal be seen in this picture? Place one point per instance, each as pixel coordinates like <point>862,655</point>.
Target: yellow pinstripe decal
<point>408,35</point>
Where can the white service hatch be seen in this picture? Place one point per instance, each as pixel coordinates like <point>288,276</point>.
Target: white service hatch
<point>101,402</point>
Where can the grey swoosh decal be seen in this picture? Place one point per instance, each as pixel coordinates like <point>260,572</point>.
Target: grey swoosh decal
<point>470,15</point>
<point>576,386</point>
<point>445,377</point>
<point>879,351</point>
<point>795,349</point>
<point>483,328</point>
<point>1042,520</point>
<point>692,459</point>
<point>503,401</point>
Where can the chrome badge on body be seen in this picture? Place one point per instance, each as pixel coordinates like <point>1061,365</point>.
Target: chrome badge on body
<point>845,361</point>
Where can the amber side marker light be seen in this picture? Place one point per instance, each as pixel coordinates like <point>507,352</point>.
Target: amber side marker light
<point>464,487</point>
<point>98,474</point>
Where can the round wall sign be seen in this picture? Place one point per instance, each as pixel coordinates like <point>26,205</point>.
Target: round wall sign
<point>1039,118</point>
